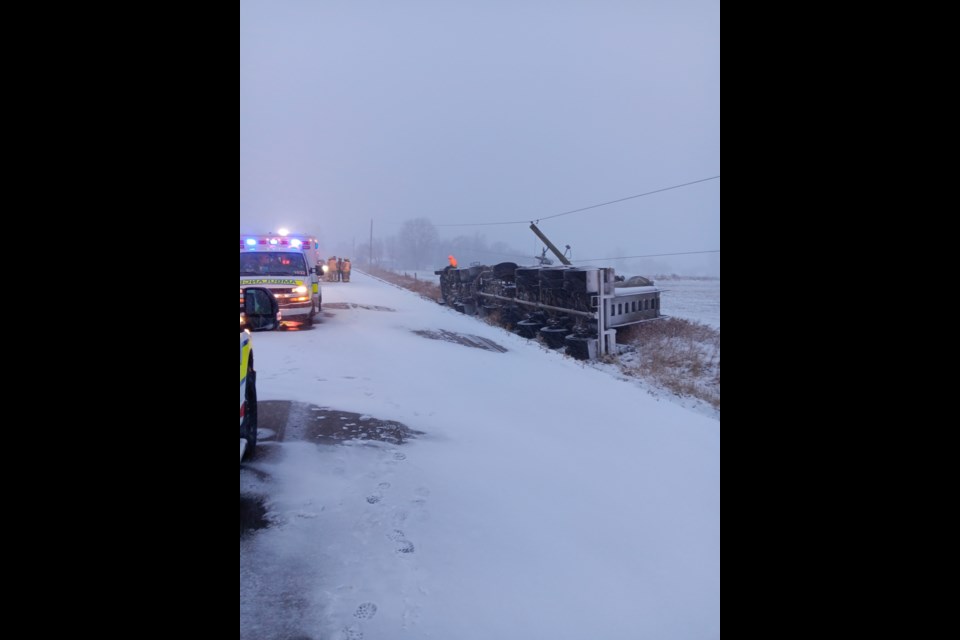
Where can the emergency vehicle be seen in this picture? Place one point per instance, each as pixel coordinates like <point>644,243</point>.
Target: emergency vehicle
<point>248,397</point>
<point>261,311</point>
<point>287,265</point>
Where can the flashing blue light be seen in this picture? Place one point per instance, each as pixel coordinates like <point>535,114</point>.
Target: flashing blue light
<point>251,242</point>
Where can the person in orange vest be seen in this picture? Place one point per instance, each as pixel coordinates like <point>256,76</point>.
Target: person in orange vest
<point>453,261</point>
<point>332,269</point>
<point>346,269</point>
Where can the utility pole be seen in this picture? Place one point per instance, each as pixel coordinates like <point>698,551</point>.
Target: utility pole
<point>550,245</point>
<point>371,242</point>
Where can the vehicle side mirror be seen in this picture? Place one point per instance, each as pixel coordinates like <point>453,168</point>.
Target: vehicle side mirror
<point>260,309</point>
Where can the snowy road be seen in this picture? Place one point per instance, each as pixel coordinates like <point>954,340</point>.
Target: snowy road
<point>543,499</point>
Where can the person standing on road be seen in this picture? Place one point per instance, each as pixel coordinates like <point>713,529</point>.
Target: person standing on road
<point>346,269</point>
<point>340,270</point>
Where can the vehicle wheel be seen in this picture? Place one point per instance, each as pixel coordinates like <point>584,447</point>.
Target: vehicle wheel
<point>249,429</point>
<point>555,337</point>
<point>529,328</point>
<point>578,347</point>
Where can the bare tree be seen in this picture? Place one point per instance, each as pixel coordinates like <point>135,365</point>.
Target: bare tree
<point>418,242</point>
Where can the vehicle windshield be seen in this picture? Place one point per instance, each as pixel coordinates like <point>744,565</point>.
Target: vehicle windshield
<point>272,264</point>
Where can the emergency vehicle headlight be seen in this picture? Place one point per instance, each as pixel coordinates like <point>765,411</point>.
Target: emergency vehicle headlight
<point>296,244</point>
<point>301,291</point>
<point>326,269</point>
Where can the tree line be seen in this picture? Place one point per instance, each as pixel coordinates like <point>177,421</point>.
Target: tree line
<point>419,247</point>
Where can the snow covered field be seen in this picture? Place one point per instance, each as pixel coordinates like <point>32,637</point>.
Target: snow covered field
<point>697,300</point>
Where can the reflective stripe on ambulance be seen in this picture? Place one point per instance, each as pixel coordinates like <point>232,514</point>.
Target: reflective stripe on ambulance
<point>244,363</point>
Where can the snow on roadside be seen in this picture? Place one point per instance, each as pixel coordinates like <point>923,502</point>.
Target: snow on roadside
<point>544,500</point>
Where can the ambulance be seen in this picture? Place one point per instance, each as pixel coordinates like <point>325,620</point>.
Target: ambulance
<point>286,264</point>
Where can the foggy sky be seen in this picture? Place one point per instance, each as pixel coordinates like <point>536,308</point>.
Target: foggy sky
<point>484,111</point>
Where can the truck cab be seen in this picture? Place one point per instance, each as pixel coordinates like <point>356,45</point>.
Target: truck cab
<point>287,265</point>
<point>261,312</point>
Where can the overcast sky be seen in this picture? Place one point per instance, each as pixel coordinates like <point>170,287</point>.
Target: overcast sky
<point>485,112</point>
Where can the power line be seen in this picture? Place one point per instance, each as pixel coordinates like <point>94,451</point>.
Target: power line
<point>596,206</point>
<point>495,253</point>
<point>659,255</point>
<point>642,195</point>
<point>470,252</point>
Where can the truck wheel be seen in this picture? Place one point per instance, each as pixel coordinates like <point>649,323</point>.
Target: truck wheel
<point>249,430</point>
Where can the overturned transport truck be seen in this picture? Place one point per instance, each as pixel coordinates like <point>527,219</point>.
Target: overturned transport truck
<point>574,308</point>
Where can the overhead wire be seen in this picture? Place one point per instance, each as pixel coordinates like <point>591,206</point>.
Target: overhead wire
<point>596,206</point>
<point>657,255</point>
